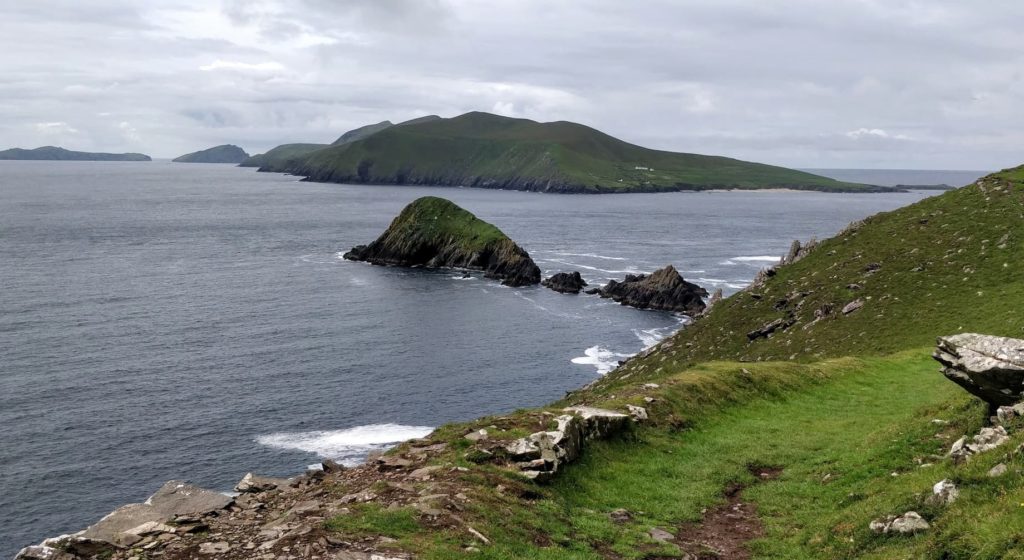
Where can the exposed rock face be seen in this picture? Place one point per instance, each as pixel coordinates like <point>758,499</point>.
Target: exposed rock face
<point>433,232</point>
<point>991,367</point>
<point>566,282</point>
<point>540,455</point>
<point>664,289</point>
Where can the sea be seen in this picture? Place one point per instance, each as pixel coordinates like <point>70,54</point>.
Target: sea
<point>192,321</point>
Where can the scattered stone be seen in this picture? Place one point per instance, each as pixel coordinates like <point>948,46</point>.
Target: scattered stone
<point>638,413</point>
<point>906,524</point>
<point>424,473</point>
<point>651,386</point>
<point>214,548</point>
<point>853,306</point>
<point>768,328</point>
<point>990,367</point>
<point>1006,414</point>
<point>331,466</point>
<point>392,462</point>
<point>478,435</point>
<point>998,470</point>
<point>540,455</point>
<point>620,515</point>
<point>944,492</point>
<point>986,440</point>
<point>661,535</point>
<point>254,483</point>
<point>565,282</point>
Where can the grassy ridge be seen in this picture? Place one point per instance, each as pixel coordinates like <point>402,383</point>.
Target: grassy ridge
<point>282,157</point>
<point>484,150</point>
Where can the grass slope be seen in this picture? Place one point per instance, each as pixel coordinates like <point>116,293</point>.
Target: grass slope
<point>480,149</point>
<point>225,153</point>
<point>282,157</point>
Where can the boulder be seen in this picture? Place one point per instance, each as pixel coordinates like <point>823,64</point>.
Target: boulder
<point>853,306</point>
<point>664,289</point>
<point>990,367</point>
<point>985,440</point>
<point>540,455</point>
<point>944,492</point>
<point>255,483</point>
<point>565,282</point>
<point>906,524</point>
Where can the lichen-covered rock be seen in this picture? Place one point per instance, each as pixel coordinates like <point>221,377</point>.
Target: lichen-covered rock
<point>432,232</point>
<point>664,289</point>
<point>565,282</point>
<point>540,455</point>
<point>944,492</point>
<point>990,367</point>
<point>985,440</point>
<point>906,524</point>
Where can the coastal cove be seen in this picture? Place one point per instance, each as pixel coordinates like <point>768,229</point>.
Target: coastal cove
<point>197,322</point>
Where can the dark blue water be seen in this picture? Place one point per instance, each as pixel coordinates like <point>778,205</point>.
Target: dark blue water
<point>195,321</point>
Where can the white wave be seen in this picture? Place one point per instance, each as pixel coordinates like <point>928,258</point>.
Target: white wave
<point>463,278</point>
<point>589,255</point>
<point>630,270</point>
<point>601,358</point>
<point>349,446</point>
<point>764,258</point>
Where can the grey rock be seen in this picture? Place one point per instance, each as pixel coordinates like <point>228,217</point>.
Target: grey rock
<point>540,455</point>
<point>661,535</point>
<point>990,367</point>
<point>944,492</point>
<point>620,515</point>
<point>908,524</point>
<point>853,306</point>
<point>565,282</point>
<point>998,470</point>
<point>638,413</point>
<point>663,289</point>
<point>985,440</point>
<point>255,483</point>
<point>220,547</point>
<point>478,435</point>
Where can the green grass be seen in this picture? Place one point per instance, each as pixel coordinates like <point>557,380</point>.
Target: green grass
<point>282,158</point>
<point>438,221</point>
<point>372,520</point>
<point>480,149</point>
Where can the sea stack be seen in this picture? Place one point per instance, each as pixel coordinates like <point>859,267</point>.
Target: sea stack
<point>664,289</point>
<point>432,232</point>
<point>566,282</point>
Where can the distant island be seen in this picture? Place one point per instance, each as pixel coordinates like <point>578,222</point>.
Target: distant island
<point>491,151</point>
<point>53,153</point>
<point>226,153</point>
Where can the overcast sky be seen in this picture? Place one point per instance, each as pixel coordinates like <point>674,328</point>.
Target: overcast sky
<point>930,84</point>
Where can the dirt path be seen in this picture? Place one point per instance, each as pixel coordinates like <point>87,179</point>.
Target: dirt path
<point>726,529</point>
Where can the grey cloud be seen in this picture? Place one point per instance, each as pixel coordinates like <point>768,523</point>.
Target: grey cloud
<point>781,82</point>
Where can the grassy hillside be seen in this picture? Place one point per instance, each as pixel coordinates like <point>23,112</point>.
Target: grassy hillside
<point>282,157</point>
<point>53,153</point>
<point>850,413</point>
<point>226,153</point>
<point>484,150</point>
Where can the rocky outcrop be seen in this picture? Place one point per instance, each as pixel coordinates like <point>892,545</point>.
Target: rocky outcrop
<point>906,524</point>
<point>433,232</point>
<point>539,456</point>
<point>664,289</point>
<point>990,367</point>
<point>565,282</point>
<point>985,440</point>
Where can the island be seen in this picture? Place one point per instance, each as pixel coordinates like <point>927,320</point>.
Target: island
<point>491,151</point>
<point>54,153</point>
<point>433,232</point>
<point>226,153</point>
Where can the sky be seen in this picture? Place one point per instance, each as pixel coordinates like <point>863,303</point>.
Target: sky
<point>904,84</point>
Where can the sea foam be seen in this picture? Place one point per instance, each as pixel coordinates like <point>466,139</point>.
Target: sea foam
<point>601,358</point>
<point>349,446</point>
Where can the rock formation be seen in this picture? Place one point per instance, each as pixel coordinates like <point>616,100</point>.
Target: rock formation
<point>990,367</point>
<point>433,232</point>
<point>565,282</point>
<point>664,289</point>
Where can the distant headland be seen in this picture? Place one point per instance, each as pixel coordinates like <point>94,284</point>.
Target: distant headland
<point>53,153</point>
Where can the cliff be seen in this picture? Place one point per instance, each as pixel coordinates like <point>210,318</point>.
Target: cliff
<point>227,153</point>
<point>433,232</point>
<point>53,153</point>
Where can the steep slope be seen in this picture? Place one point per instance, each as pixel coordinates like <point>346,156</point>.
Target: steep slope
<point>361,132</point>
<point>53,153</point>
<point>484,150</point>
<point>433,232</point>
<point>282,157</point>
<point>226,153</point>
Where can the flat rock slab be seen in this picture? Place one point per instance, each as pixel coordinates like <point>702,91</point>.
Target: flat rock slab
<point>990,367</point>
<point>172,499</point>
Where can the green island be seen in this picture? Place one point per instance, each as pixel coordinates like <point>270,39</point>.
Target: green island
<point>53,153</point>
<point>226,153</point>
<point>802,417</point>
<point>490,151</point>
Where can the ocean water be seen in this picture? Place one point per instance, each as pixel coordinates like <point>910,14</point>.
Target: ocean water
<point>164,321</point>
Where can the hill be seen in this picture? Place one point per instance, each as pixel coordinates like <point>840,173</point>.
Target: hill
<point>282,157</point>
<point>53,153</point>
<point>361,132</point>
<point>226,153</point>
<point>490,151</point>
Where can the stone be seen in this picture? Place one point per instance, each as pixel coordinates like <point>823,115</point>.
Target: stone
<point>540,455</point>
<point>908,524</point>
<point>424,473</point>
<point>220,547</point>
<point>985,440</point>
<point>638,413</point>
<point>944,492</point>
<point>478,435</point>
<point>392,462</point>
<point>853,306</point>
<point>254,483</point>
<point>664,289</point>
<point>620,515</point>
<point>998,470</point>
<point>770,327</point>
<point>331,466</point>
<point>661,535</point>
<point>989,367</point>
<point>565,282</point>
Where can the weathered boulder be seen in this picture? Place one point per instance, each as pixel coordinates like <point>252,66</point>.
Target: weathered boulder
<point>906,524</point>
<point>432,232</point>
<point>944,492</point>
<point>565,282</point>
<point>985,440</point>
<point>664,289</point>
<point>255,483</point>
<point>990,367</point>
